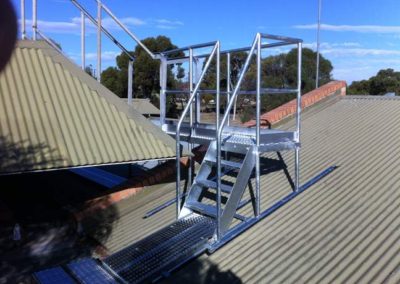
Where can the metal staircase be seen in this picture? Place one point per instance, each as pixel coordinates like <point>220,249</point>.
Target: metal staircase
<point>208,213</point>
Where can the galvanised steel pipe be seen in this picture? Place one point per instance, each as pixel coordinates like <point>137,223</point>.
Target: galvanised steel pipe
<point>228,80</point>
<point>107,33</point>
<point>130,82</point>
<point>23,21</point>
<point>297,151</point>
<point>219,173</point>
<point>34,19</point>
<point>179,125</point>
<point>108,11</point>
<point>99,10</point>
<point>258,114</point>
<point>195,46</point>
<point>83,55</point>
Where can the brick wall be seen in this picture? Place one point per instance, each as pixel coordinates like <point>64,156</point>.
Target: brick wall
<point>285,110</point>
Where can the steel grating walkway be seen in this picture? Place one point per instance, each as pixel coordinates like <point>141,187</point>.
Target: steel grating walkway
<point>146,260</point>
<point>163,250</point>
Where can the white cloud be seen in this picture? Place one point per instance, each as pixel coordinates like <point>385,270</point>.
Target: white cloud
<point>360,52</point>
<point>167,24</point>
<point>73,26</point>
<point>352,28</point>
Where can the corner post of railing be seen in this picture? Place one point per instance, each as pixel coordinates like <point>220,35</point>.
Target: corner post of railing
<point>163,87</point>
<point>83,35</point>
<point>228,81</point>
<point>298,114</point>
<point>217,123</point>
<point>258,114</point>
<point>23,21</point>
<point>99,10</point>
<point>34,19</point>
<point>130,82</point>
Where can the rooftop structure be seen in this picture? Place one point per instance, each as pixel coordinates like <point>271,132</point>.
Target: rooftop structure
<point>54,115</point>
<point>344,230</point>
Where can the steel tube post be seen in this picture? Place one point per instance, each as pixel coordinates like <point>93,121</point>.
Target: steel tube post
<point>83,52</point>
<point>163,86</point>
<point>130,82</point>
<point>198,99</point>
<point>258,114</point>
<point>34,19</point>
<point>318,44</point>
<point>219,174</point>
<point>228,81</point>
<point>190,145</point>
<point>23,22</point>
<point>297,151</point>
<point>99,8</point>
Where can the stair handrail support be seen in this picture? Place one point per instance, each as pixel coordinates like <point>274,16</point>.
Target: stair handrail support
<point>216,50</point>
<point>221,126</point>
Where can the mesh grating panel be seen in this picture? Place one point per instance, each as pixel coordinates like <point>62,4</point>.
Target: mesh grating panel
<point>163,249</point>
<point>53,275</point>
<point>88,271</point>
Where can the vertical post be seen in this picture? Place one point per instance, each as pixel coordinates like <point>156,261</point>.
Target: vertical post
<point>219,174</point>
<point>190,145</point>
<point>99,8</point>
<point>318,44</point>
<point>130,82</point>
<point>83,48</point>
<point>198,99</point>
<point>228,82</point>
<point>163,87</point>
<point>34,19</point>
<point>297,151</point>
<point>23,22</point>
<point>258,114</point>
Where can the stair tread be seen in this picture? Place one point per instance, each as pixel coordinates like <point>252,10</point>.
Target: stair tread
<point>231,164</point>
<point>212,184</point>
<point>206,209</point>
<point>209,210</point>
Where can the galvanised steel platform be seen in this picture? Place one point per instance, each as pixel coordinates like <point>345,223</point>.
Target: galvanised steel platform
<point>234,137</point>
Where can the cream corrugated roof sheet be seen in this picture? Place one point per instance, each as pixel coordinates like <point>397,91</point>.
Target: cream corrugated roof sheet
<point>345,229</point>
<point>53,115</point>
<point>144,106</point>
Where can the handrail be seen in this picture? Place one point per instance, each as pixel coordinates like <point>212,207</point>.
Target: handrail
<point>108,11</point>
<point>105,31</point>
<point>49,41</point>
<point>195,46</point>
<point>215,51</point>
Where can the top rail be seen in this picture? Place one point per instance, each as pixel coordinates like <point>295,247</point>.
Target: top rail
<point>195,46</point>
<point>111,14</point>
<point>281,38</point>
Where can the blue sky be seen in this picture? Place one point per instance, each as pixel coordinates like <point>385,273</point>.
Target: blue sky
<point>359,37</point>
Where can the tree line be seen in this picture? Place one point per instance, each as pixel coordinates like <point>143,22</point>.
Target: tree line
<point>385,81</point>
<point>278,71</point>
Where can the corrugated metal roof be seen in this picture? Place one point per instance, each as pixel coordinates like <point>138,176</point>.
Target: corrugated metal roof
<point>345,229</point>
<point>54,115</point>
<point>144,106</point>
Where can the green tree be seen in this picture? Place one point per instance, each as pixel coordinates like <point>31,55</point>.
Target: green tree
<point>385,81</point>
<point>146,78</point>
